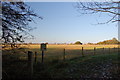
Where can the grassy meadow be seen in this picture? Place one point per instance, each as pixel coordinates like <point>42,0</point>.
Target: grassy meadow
<point>71,51</point>
<point>101,64</point>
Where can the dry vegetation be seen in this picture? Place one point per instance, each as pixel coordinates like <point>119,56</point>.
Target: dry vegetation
<point>56,51</point>
<point>70,46</point>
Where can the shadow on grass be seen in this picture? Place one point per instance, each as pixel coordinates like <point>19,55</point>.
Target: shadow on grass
<point>97,66</point>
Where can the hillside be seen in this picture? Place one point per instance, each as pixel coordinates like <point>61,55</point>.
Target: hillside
<point>112,41</point>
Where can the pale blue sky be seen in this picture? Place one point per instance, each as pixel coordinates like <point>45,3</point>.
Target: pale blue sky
<point>62,23</point>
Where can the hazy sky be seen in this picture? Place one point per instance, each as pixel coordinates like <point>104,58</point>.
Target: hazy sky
<point>63,23</point>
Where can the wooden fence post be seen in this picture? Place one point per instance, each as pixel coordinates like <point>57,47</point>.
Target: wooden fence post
<point>30,64</point>
<point>109,50</point>
<point>64,54</point>
<point>82,52</point>
<point>35,57</point>
<point>118,49</point>
<point>94,50</point>
<point>42,56</point>
<point>114,49</point>
<point>103,50</point>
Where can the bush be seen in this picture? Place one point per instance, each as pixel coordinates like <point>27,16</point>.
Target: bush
<point>78,42</point>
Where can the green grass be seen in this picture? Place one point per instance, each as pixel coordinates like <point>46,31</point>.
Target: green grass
<point>102,64</point>
<point>57,53</point>
<point>53,53</point>
<point>97,66</point>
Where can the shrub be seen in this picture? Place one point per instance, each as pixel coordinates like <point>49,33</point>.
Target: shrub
<point>78,42</point>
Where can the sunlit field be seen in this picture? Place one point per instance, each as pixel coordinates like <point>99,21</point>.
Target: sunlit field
<point>75,64</point>
<point>57,51</point>
<point>69,46</point>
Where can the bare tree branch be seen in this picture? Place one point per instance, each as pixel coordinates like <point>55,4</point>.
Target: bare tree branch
<point>97,7</point>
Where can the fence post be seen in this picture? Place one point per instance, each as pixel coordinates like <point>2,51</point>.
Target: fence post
<point>30,64</point>
<point>35,57</point>
<point>114,49</point>
<point>94,50</point>
<point>103,50</point>
<point>64,54</point>
<point>82,52</point>
<point>109,50</point>
<point>118,48</point>
<point>42,55</point>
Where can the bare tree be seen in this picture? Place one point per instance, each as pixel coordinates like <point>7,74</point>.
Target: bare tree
<point>110,7</point>
<point>16,17</point>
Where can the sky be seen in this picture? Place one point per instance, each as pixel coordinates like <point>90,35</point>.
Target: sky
<point>68,0</point>
<point>62,23</point>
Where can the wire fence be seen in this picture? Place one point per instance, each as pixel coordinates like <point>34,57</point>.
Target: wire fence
<point>66,53</point>
<point>55,54</point>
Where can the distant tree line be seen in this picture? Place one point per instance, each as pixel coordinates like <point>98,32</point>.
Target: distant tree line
<point>112,41</point>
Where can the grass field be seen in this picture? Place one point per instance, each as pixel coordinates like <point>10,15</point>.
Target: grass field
<point>71,51</point>
<point>75,66</point>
